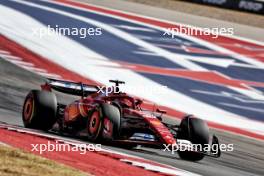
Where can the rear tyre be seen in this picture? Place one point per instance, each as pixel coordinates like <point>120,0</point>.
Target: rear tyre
<point>196,131</point>
<point>39,110</point>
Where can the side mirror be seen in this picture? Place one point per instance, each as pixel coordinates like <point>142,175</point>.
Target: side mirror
<point>215,142</point>
<point>138,102</point>
<point>161,111</point>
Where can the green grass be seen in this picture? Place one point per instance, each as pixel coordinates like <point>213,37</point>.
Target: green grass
<point>15,162</point>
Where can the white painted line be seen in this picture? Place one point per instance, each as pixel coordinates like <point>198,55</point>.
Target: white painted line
<point>243,107</point>
<point>220,62</point>
<point>246,66</point>
<point>254,94</point>
<point>146,53</point>
<point>49,75</point>
<point>143,37</point>
<point>34,69</point>
<point>3,144</point>
<point>160,169</point>
<point>4,52</point>
<point>7,56</point>
<point>21,63</point>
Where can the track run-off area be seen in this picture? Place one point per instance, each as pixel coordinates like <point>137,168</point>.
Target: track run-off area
<point>217,79</point>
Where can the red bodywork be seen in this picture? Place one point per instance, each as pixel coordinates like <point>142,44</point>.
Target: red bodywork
<point>130,107</point>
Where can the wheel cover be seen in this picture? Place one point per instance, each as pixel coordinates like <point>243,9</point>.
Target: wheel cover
<point>108,128</point>
<point>94,123</point>
<point>28,109</point>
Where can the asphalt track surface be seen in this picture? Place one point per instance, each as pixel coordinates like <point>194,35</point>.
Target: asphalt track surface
<point>246,159</point>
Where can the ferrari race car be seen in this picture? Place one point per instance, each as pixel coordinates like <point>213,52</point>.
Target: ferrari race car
<point>114,117</point>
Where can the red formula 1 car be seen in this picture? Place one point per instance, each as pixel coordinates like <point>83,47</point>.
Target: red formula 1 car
<point>113,116</point>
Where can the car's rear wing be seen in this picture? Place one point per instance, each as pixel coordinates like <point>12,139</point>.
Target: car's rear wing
<point>68,87</point>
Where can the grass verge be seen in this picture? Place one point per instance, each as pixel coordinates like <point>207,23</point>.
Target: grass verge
<point>15,162</point>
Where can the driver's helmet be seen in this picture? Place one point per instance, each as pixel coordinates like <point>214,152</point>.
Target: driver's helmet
<point>124,102</point>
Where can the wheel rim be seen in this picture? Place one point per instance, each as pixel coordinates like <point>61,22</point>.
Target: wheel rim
<point>28,109</point>
<point>94,123</point>
<point>108,127</point>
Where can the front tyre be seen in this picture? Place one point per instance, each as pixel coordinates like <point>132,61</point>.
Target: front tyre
<point>196,131</point>
<point>39,110</point>
<point>94,125</point>
<point>104,122</point>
